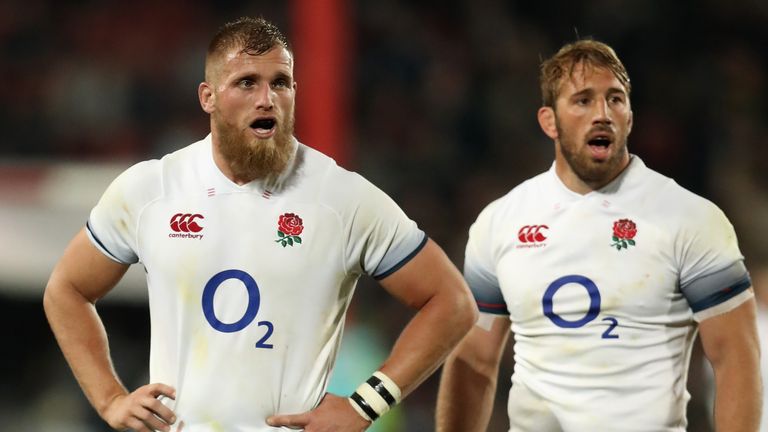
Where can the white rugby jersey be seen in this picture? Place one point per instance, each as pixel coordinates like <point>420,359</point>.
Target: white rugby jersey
<point>248,285</point>
<point>604,291</point>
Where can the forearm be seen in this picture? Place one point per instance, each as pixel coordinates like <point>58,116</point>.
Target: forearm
<point>467,393</point>
<point>731,345</point>
<point>428,339</point>
<point>738,395</point>
<point>83,340</point>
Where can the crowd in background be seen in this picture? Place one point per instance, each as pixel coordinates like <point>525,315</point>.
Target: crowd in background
<point>443,119</point>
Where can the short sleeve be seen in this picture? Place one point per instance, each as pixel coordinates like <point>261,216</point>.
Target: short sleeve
<point>381,238</point>
<point>112,224</point>
<point>713,277</point>
<point>479,265</point>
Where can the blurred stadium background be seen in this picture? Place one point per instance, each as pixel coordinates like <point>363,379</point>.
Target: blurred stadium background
<point>434,101</point>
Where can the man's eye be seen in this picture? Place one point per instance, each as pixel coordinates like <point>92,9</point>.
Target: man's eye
<point>582,101</point>
<point>280,83</point>
<point>245,83</point>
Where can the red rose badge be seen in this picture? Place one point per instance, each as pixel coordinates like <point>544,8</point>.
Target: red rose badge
<point>289,226</point>
<point>624,231</point>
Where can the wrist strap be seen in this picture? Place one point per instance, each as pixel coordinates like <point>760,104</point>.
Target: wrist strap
<point>375,397</point>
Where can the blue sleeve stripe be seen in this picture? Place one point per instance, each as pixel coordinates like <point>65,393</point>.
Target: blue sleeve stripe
<point>404,261</point>
<point>721,296</point>
<point>103,248</point>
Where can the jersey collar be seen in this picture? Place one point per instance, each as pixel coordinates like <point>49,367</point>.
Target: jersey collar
<point>627,178</point>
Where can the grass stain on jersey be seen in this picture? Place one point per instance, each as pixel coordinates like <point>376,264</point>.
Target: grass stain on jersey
<point>199,350</point>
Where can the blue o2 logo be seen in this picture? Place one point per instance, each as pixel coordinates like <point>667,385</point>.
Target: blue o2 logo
<point>254,301</point>
<point>594,305</point>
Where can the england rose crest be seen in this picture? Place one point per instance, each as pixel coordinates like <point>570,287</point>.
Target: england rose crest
<point>624,231</point>
<point>289,226</point>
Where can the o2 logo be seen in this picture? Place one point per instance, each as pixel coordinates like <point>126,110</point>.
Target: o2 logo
<point>254,300</point>
<point>592,312</point>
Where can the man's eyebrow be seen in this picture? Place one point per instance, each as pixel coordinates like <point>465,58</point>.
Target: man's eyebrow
<point>589,91</point>
<point>614,90</point>
<point>282,75</point>
<point>249,75</point>
<point>255,76</point>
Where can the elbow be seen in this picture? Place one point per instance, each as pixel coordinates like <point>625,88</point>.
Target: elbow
<point>454,309</point>
<point>49,300</point>
<point>472,315</point>
<point>466,310</point>
<point>59,294</point>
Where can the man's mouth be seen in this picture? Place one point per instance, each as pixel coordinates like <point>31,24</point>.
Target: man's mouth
<point>599,144</point>
<point>600,141</point>
<point>264,127</point>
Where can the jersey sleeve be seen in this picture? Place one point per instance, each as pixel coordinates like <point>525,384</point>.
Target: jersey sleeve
<point>113,222</point>
<point>381,238</point>
<point>479,265</point>
<point>713,277</point>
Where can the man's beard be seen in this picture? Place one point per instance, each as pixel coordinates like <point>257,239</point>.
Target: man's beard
<point>251,158</point>
<point>592,172</point>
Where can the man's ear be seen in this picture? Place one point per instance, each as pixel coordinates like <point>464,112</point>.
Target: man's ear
<point>631,118</point>
<point>207,97</point>
<point>547,121</point>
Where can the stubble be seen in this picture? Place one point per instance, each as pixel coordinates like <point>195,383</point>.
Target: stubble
<point>591,171</point>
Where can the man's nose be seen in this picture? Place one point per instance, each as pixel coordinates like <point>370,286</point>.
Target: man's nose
<point>602,112</point>
<point>264,98</point>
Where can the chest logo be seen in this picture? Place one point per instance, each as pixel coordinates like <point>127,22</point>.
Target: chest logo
<point>624,232</point>
<point>532,235</point>
<point>186,225</point>
<point>289,226</point>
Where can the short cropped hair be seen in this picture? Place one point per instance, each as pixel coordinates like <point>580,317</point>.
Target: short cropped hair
<point>585,52</point>
<point>254,36</point>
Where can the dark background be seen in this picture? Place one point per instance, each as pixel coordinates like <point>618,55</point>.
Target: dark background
<point>443,96</point>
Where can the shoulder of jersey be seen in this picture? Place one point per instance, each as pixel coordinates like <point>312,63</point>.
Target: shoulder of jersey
<point>325,179</point>
<point>530,192</point>
<point>139,184</point>
<point>151,178</point>
<point>184,165</point>
<point>664,197</point>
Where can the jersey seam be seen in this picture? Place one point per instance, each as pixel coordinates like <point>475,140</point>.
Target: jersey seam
<point>140,213</point>
<point>340,221</point>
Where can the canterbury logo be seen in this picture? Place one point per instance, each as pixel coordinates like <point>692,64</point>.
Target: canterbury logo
<point>186,223</point>
<point>181,222</point>
<point>532,233</point>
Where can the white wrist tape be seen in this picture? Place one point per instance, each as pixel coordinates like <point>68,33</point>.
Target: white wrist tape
<point>390,385</point>
<point>375,397</point>
<point>358,409</point>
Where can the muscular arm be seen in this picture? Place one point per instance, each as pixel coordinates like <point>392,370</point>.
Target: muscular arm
<point>431,284</point>
<point>82,276</point>
<point>468,382</point>
<point>730,343</point>
<point>446,312</point>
